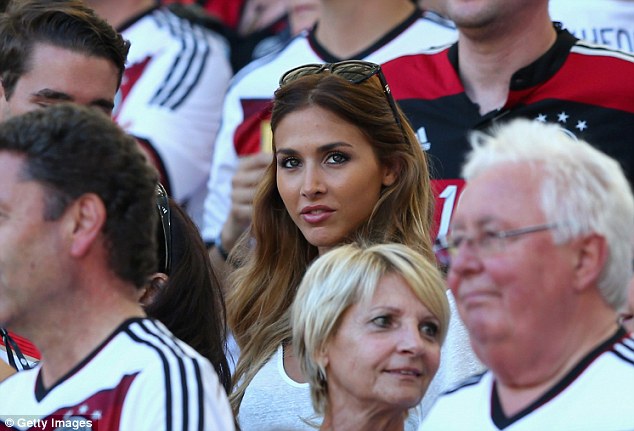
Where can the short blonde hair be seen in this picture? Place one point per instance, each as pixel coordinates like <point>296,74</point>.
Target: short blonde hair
<point>347,275</point>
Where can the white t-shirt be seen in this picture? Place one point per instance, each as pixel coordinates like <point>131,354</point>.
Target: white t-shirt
<point>275,402</point>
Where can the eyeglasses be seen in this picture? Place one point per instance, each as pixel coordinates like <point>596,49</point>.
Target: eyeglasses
<point>162,203</point>
<point>354,71</point>
<point>485,243</point>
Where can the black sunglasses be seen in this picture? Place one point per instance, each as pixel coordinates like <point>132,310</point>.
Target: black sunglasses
<point>354,71</point>
<point>162,203</point>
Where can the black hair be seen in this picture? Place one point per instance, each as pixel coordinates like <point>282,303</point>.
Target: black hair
<point>73,150</point>
<point>67,24</point>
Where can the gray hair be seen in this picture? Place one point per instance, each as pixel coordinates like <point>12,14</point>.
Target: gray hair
<point>582,190</point>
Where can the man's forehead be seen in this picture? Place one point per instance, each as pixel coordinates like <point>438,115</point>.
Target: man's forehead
<point>499,193</point>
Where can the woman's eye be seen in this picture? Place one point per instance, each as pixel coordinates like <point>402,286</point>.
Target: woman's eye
<point>382,321</point>
<point>429,329</point>
<point>289,163</point>
<point>336,158</point>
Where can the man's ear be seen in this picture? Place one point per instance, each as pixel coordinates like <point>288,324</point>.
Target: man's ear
<point>87,217</point>
<point>591,257</point>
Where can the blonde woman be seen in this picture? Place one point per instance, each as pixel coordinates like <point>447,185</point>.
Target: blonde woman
<point>368,324</point>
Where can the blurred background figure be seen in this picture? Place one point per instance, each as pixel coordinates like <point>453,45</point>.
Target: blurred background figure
<point>605,22</point>
<point>303,14</point>
<point>368,323</point>
<point>255,28</point>
<point>172,92</point>
<point>485,79</point>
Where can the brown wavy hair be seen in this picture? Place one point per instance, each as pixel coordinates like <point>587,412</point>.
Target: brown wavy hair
<point>273,255</point>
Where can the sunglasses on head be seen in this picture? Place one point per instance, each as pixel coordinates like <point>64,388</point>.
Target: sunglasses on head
<point>354,71</point>
<point>162,204</point>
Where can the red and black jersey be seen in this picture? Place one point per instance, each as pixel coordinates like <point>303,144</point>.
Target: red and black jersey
<point>587,89</point>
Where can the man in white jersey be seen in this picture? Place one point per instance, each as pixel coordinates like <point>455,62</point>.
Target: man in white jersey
<point>77,244</point>
<point>54,52</point>
<point>541,253</point>
<point>172,91</point>
<point>372,30</point>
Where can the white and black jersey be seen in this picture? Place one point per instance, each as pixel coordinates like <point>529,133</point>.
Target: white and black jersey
<point>596,395</point>
<point>140,378</point>
<point>171,97</point>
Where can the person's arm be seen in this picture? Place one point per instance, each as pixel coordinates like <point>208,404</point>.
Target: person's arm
<point>243,187</point>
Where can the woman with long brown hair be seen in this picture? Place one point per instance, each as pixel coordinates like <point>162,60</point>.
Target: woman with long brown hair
<point>346,166</point>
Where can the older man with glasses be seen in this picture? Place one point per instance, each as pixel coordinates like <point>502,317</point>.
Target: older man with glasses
<point>540,252</point>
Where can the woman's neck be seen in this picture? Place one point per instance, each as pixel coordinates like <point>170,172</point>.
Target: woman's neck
<point>350,419</point>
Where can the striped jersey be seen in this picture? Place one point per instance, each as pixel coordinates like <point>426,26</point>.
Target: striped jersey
<point>596,395</point>
<point>140,378</point>
<point>171,98</point>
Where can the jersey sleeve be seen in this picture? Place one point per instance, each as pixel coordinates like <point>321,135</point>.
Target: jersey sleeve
<point>223,166</point>
<point>175,104</point>
<point>177,394</point>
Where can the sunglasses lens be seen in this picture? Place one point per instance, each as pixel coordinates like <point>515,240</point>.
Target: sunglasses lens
<point>355,72</point>
<point>297,73</point>
<point>352,71</point>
